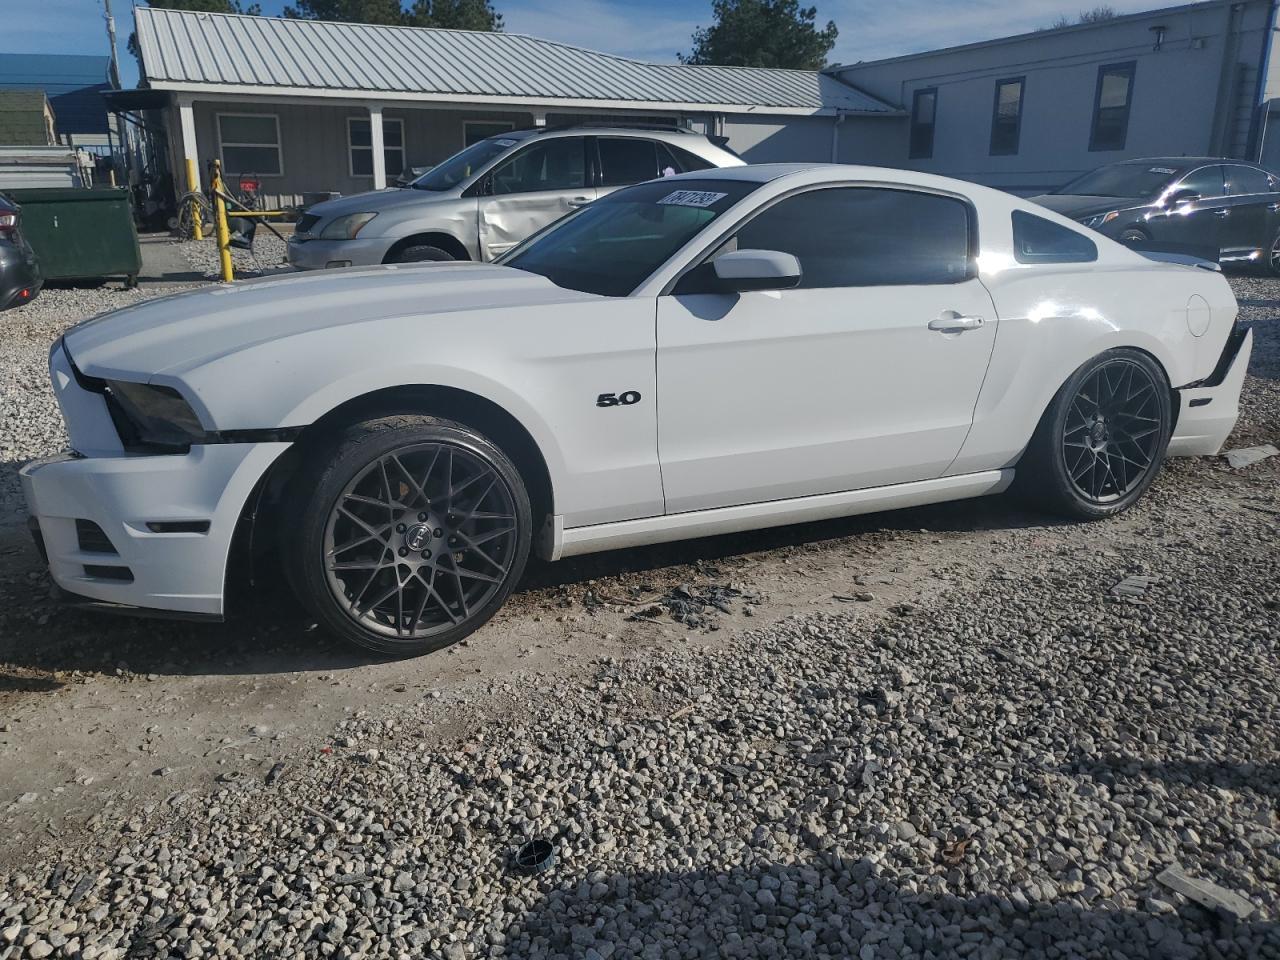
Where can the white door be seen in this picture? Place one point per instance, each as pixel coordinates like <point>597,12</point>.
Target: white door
<point>533,188</point>
<point>864,375</point>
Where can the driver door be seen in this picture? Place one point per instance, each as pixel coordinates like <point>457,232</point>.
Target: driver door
<point>864,375</point>
<point>531,189</point>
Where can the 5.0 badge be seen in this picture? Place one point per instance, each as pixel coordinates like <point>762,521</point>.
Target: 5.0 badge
<point>618,399</point>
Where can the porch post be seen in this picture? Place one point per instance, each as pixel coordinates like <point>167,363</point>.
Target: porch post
<point>191,160</point>
<point>379,153</point>
<point>187,118</point>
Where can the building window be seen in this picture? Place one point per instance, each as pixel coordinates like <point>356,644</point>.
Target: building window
<point>924,107</point>
<point>250,143</point>
<point>1111,106</point>
<point>1006,117</point>
<point>360,146</point>
<point>473,131</point>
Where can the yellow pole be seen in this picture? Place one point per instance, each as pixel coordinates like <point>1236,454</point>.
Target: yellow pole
<point>193,184</point>
<point>220,225</point>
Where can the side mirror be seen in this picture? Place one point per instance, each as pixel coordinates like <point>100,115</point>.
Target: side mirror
<point>1182,196</point>
<point>744,270</point>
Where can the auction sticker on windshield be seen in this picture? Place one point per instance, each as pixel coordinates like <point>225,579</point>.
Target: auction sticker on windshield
<point>692,198</point>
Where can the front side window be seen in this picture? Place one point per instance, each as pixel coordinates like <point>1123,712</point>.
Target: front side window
<point>1205,182</point>
<point>360,146</point>
<point>611,246</point>
<point>924,108</point>
<point>866,236</point>
<point>250,143</point>
<point>1037,240</point>
<point>1242,181</point>
<point>1111,106</point>
<point>558,164</point>
<point>1006,119</point>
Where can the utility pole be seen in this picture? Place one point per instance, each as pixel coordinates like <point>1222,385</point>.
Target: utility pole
<point>111,39</point>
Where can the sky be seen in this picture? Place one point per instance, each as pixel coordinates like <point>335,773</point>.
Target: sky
<point>650,30</point>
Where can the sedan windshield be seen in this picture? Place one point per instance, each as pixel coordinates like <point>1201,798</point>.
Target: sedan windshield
<point>1145,179</point>
<point>612,245</point>
<point>464,164</point>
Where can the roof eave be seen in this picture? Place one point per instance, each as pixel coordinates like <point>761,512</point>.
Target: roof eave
<point>231,90</point>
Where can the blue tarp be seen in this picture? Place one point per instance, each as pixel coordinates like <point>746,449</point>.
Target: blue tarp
<point>73,84</point>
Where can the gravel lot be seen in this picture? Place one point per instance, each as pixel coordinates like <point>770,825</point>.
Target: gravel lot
<point>930,733</point>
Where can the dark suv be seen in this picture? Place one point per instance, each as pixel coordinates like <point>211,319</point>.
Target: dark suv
<point>20,278</point>
<point>1218,209</point>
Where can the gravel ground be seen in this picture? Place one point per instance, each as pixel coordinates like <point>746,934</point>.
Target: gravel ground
<point>267,256</point>
<point>1000,767</point>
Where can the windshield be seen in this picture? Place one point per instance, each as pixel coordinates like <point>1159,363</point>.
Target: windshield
<point>464,164</point>
<point>1122,180</point>
<point>610,246</point>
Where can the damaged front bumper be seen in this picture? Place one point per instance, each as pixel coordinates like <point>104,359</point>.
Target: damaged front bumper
<point>1208,410</point>
<point>144,531</point>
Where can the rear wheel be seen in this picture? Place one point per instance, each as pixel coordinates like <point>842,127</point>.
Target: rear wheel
<point>1133,235</point>
<point>411,532</point>
<point>1273,256</point>
<point>421,253</point>
<point>1102,440</point>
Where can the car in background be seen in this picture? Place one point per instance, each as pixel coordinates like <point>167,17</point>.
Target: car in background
<point>20,278</point>
<point>485,199</point>
<point>1214,208</point>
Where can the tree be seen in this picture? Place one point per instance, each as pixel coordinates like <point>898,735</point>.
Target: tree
<point>1096,15</point>
<point>455,15</point>
<point>450,14</point>
<point>762,33</point>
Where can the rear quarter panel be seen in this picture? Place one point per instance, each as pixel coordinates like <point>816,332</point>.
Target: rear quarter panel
<point>1055,317</point>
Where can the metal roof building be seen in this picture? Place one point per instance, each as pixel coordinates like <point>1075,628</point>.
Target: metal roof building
<point>202,51</point>
<point>309,103</point>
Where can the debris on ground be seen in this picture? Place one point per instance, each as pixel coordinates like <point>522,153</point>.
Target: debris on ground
<point>1133,586</point>
<point>1243,457</point>
<point>1205,892</point>
<point>692,606</point>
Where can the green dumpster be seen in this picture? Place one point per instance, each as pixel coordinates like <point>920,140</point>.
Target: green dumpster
<point>80,234</point>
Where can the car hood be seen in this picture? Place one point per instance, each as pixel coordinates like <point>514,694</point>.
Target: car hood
<point>175,334</point>
<point>1079,206</point>
<point>375,201</point>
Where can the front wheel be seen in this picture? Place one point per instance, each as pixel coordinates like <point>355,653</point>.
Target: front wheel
<point>421,253</point>
<point>410,533</point>
<point>1102,440</point>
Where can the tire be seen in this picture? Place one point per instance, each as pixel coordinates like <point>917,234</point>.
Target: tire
<point>420,254</point>
<point>405,560</point>
<point>1131,235</point>
<point>1273,257</point>
<point>1086,468</point>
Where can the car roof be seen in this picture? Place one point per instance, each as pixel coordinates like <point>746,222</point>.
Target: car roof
<point>596,129</point>
<point>1183,163</point>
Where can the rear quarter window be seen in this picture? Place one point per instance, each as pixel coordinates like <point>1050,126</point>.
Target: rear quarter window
<point>1037,240</point>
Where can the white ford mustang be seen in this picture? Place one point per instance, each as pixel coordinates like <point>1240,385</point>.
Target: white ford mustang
<point>695,355</point>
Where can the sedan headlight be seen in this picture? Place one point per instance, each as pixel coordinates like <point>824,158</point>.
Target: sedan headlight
<point>147,415</point>
<point>1100,219</point>
<point>346,228</point>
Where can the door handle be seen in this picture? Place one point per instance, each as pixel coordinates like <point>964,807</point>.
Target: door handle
<point>579,201</point>
<point>1274,207</point>
<point>1222,213</point>
<point>953,322</point>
